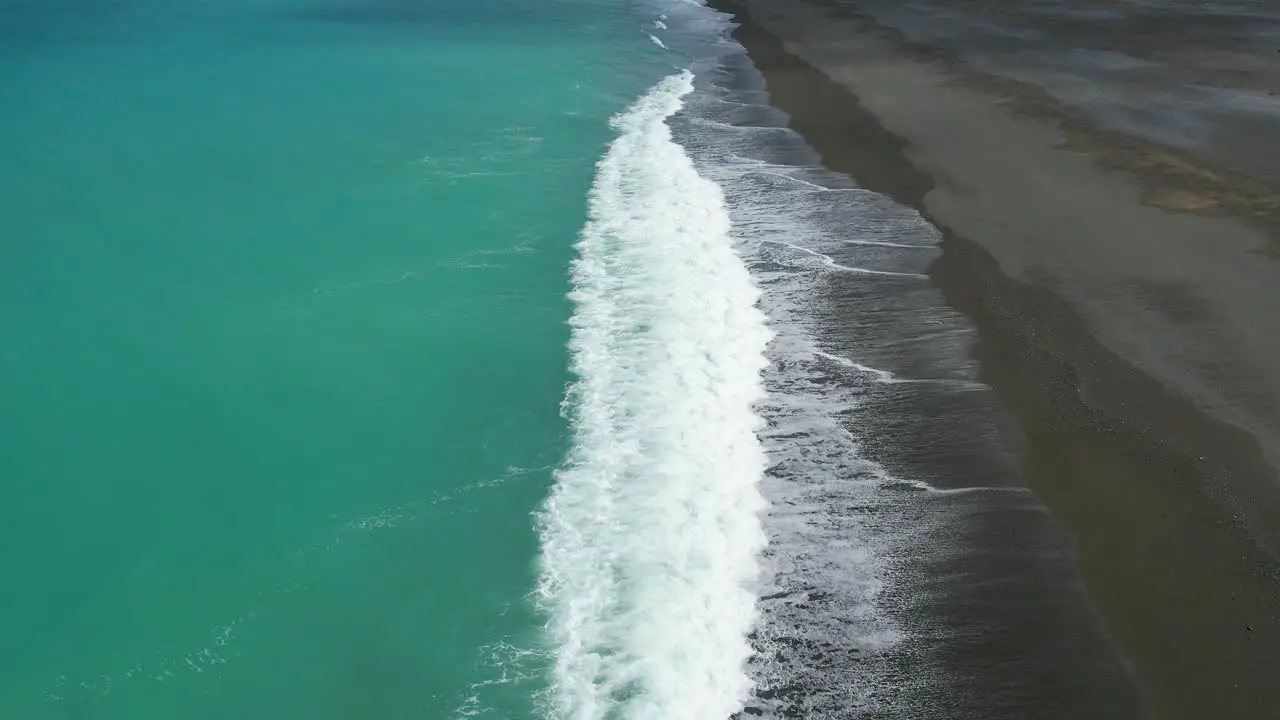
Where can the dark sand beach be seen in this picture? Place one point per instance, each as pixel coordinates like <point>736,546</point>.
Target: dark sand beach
<point>1103,177</point>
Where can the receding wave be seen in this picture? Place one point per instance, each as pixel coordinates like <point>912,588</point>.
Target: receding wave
<point>651,535</point>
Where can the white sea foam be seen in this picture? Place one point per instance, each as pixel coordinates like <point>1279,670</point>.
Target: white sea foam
<point>651,534</point>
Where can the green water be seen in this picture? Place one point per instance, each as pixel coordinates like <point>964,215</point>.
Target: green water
<point>282,293</point>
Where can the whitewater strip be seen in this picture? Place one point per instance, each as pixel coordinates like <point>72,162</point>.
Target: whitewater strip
<point>652,533</point>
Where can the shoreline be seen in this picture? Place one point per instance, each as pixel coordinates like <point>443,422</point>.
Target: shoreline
<point>1172,509</point>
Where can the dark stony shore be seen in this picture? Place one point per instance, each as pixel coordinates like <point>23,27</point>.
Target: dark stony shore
<point>1104,179</point>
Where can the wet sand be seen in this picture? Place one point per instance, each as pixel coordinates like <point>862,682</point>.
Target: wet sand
<point>1121,272</point>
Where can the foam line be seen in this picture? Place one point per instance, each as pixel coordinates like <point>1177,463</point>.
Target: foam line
<point>889,378</point>
<point>651,533</point>
<point>826,260</point>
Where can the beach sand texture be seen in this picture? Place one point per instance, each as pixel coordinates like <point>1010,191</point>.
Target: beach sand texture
<point>1104,179</point>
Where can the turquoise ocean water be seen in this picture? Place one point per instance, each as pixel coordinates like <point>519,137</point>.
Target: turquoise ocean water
<point>284,300</point>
